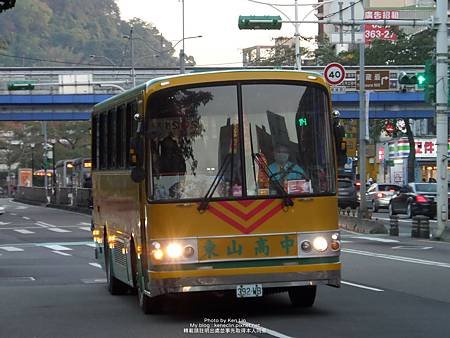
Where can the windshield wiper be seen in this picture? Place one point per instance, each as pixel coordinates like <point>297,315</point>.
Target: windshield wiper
<point>287,201</point>
<point>205,201</point>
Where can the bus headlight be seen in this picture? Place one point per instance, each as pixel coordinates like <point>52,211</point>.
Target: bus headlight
<point>158,254</point>
<point>320,244</point>
<point>179,251</point>
<point>174,250</point>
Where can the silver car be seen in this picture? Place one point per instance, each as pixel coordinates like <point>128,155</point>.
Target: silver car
<point>379,195</point>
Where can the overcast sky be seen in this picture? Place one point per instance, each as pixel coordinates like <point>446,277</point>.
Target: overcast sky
<point>217,22</point>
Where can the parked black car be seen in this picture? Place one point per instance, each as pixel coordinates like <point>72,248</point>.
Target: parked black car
<point>415,199</point>
<point>347,193</point>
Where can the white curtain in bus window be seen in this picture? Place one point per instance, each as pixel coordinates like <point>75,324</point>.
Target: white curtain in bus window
<point>287,126</point>
<point>194,139</point>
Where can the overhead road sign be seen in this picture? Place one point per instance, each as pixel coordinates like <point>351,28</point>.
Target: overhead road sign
<point>334,73</point>
<point>20,85</point>
<point>259,22</point>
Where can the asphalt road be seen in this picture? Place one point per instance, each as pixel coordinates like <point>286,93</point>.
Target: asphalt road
<point>51,287</point>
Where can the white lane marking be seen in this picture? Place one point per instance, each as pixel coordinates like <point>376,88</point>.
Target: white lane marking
<point>10,248</point>
<point>400,220</point>
<point>344,241</point>
<point>12,214</point>
<point>94,281</point>
<point>96,265</point>
<point>412,247</point>
<point>58,230</point>
<point>5,223</point>
<point>21,208</point>
<point>376,239</point>
<point>27,218</point>
<point>362,286</point>
<point>85,228</point>
<point>56,247</point>
<point>92,245</point>
<point>61,253</point>
<point>84,223</point>
<point>262,329</point>
<point>45,224</point>
<point>397,258</point>
<point>24,231</point>
<point>17,279</point>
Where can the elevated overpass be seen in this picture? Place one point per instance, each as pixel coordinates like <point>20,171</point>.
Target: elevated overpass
<point>70,93</point>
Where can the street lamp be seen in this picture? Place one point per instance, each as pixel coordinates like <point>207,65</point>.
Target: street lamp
<point>133,73</point>
<point>32,145</point>
<point>298,60</point>
<point>103,57</point>
<point>182,55</point>
<point>53,143</point>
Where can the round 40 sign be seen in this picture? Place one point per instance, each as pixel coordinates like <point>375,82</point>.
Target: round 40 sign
<point>334,73</point>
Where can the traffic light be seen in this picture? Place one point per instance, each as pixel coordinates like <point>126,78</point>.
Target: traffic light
<point>259,22</point>
<point>430,81</point>
<point>20,85</point>
<point>407,79</point>
<point>421,80</point>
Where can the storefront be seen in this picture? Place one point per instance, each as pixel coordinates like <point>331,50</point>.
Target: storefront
<point>425,166</point>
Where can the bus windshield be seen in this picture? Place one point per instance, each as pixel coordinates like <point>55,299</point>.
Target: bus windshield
<point>200,138</point>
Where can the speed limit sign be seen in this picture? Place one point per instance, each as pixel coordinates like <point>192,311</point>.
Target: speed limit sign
<point>334,73</point>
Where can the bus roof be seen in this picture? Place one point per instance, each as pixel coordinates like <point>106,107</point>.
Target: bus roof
<point>214,76</point>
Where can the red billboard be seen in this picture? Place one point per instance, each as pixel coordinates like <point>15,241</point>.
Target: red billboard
<point>381,32</point>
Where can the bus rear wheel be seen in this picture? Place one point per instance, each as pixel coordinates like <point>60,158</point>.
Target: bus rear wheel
<point>302,296</point>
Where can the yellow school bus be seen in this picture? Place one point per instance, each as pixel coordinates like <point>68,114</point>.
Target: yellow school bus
<point>219,181</point>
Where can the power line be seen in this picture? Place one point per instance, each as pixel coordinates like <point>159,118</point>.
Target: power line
<point>341,10</point>
<point>45,60</point>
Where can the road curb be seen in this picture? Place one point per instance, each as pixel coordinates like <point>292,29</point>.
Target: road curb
<point>366,226</point>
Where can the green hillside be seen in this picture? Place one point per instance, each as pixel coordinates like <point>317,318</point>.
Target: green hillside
<point>68,32</point>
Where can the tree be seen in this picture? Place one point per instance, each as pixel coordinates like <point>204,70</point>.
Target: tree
<point>6,4</point>
<point>54,32</point>
<point>397,128</point>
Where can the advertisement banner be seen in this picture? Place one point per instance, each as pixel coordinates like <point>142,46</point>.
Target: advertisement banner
<point>381,32</point>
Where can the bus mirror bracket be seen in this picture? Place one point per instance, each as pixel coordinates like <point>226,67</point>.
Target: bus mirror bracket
<point>339,134</point>
<point>137,158</point>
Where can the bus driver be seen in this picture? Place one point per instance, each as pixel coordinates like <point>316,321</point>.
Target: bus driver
<point>283,169</point>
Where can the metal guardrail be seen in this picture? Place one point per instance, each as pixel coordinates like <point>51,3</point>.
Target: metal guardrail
<point>55,75</point>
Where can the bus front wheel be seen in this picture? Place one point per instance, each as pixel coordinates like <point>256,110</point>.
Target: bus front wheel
<point>302,296</point>
<point>149,305</point>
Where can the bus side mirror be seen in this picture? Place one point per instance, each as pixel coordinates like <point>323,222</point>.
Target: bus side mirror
<point>137,158</point>
<point>341,145</point>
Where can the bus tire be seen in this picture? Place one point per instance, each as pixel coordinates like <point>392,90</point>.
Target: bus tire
<point>115,286</point>
<point>302,296</point>
<point>148,305</point>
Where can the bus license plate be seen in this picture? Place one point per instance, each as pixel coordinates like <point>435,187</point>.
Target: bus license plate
<point>249,290</point>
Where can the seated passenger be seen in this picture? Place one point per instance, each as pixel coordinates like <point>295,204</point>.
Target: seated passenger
<point>171,160</point>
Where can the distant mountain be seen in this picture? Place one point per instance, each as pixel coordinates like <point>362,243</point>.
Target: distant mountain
<point>52,32</point>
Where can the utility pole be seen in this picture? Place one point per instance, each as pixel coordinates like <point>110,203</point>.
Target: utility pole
<point>298,60</point>
<point>442,119</point>
<point>44,131</point>
<point>133,72</point>
<point>182,68</point>
<point>362,130</point>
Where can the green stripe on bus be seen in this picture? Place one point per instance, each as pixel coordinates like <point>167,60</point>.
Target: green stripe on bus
<point>247,264</point>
